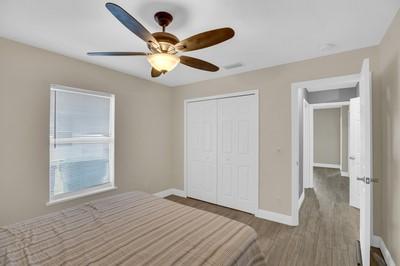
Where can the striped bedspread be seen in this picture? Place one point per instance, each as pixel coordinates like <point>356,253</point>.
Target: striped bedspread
<point>133,228</point>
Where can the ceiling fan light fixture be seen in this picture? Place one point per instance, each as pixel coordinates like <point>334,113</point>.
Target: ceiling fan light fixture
<point>163,62</point>
<point>165,46</point>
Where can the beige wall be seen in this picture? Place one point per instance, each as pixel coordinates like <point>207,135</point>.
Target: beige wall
<point>344,120</point>
<point>327,136</point>
<point>389,54</point>
<point>275,117</point>
<point>143,127</point>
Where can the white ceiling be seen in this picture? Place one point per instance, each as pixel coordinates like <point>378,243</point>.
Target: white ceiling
<point>268,32</point>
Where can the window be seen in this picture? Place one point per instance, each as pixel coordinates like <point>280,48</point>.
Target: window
<point>81,143</point>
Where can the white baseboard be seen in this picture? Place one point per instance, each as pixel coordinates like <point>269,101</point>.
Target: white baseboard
<point>274,216</point>
<point>170,191</point>
<point>346,174</point>
<point>327,165</point>
<point>301,199</point>
<point>378,242</point>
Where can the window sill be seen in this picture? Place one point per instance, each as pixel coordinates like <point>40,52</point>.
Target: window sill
<point>80,195</point>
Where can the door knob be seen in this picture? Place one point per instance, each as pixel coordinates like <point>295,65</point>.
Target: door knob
<point>352,158</point>
<point>361,179</point>
<point>368,180</point>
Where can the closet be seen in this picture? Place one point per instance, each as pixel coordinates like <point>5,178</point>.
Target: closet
<point>222,151</point>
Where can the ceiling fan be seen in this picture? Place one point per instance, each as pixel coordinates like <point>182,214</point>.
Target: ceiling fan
<point>165,47</point>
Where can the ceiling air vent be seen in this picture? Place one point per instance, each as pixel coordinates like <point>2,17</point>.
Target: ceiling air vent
<point>232,66</point>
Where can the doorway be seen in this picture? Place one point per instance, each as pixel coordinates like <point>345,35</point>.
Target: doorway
<point>301,163</point>
<point>331,139</point>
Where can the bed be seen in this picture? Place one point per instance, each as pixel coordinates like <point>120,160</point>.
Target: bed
<point>133,228</point>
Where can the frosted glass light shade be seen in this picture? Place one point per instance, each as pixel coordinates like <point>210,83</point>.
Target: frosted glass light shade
<point>163,62</point>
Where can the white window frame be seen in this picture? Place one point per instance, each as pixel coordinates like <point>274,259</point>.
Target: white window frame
<point>53,199</point>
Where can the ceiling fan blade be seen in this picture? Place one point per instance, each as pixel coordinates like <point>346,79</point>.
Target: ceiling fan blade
<point>131,23</point>
<point>199,64</point>
<point>117,53</point>
<point>155,73</point>
<point>205,39</point>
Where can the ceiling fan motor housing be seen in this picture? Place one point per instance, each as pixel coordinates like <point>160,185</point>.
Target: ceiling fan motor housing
<point>167,42</point>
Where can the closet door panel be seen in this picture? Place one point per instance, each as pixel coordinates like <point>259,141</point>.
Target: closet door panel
<point>247,156</point>
<point>237,152</point>
<point>227,189</point>
<point>202,150</point>
<point>243,183</point>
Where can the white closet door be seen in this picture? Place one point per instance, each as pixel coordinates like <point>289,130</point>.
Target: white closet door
<point>202,150</point>
<point>237,158</point>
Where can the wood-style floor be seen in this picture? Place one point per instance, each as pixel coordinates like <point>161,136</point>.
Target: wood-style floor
<point>327,231</point>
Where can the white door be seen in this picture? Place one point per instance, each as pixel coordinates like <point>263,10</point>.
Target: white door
<point>366,162</point>
<point>354,152</point>
<point>202,150</point>
<point>307,163</point>
<point>237,153</point>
